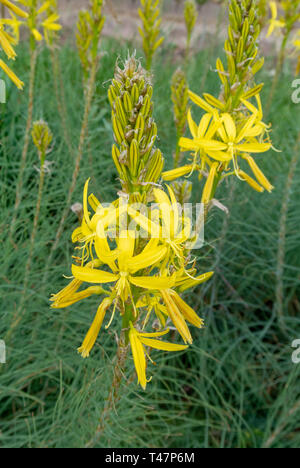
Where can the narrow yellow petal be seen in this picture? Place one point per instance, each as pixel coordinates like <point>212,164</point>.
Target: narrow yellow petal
<point>92,275</point>
<point>188,313</point>
<point>208,188</point>
<point>251,181</point>
<point>94,330</point>
<point>153,282</point>
<point>138,357</point>
<point>259,174</point>
<point>163,345</point>
<point>175,173</point>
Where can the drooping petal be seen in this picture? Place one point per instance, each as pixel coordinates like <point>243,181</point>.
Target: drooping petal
<point>188,313</point>
<point>138,357</point>
<point>94,330</point>
<point>259,174</point>
<point>176,317</point>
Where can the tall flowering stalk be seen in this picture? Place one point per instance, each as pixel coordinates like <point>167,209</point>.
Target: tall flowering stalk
<point>135,259</point>
<point>149,13</point>
<point>231,130</point>
<point>39,23</point>
<point>90,24</point>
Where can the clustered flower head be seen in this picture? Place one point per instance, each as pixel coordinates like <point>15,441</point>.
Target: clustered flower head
<point>136,259</point>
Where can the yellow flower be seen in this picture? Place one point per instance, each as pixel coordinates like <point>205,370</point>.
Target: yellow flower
<point>138,341</point>
<point>274,22</point>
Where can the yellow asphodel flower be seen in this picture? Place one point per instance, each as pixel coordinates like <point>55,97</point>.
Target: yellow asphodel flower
<point>138,341</point>
<point>274,22</point>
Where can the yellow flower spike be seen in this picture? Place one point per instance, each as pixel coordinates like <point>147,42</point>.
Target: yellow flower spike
<point>94,330</point>
<point>138,341</point>
<point>11,75</point>
<point>14,8</point>
<point>258,174</point>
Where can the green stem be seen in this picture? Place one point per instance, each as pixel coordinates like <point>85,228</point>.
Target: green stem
<point>114,394</point>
